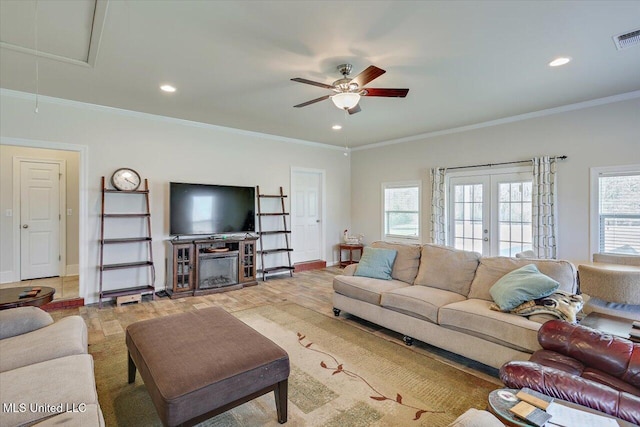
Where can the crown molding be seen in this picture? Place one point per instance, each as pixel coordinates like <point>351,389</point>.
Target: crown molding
<point>526,116</point>
<point>148,116</point>
<point>43,99</point>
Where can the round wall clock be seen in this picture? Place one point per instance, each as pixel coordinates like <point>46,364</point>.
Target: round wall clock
<point>125,179</point>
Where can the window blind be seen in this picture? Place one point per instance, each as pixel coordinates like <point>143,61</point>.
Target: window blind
<point>619,213</point>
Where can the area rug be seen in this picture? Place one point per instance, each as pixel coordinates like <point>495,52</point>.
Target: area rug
<point>341,376</point>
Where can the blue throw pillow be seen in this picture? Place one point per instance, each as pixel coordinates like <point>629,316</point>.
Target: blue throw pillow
<point>376,263</point>
<point>522,285</point>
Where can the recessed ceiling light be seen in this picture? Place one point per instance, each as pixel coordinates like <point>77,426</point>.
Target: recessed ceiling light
<point>336,127</point>
<point>559,61</point>
<point>168,88</point>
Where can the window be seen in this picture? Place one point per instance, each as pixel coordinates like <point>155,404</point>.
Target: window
<point>616,210</point>
<point>468,215</point>
<point>401,210</point>
<point>490,213</point>
<point>514,217</point>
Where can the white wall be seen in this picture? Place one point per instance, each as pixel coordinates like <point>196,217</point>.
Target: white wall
<point>604,135</point>
<point>164,150</point>
<point>7,245</point>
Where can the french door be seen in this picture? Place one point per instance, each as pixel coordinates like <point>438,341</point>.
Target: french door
<point>490,213</point>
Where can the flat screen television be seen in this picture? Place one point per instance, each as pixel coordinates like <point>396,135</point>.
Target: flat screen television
<point>201,209</point>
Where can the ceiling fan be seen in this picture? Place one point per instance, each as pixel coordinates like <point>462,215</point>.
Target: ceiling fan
<point>348,91</point>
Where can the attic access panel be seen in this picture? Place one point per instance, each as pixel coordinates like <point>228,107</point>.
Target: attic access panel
<point>67,30</point>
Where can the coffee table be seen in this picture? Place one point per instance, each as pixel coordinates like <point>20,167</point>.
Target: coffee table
<point>201,363</point>
<point>10,297</point>
<point>500,401</point>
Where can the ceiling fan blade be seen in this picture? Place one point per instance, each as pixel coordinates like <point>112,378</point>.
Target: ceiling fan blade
<point>389,93</point>
<point>309,82</point>
<point>354,110</point>
<point>372,72</point>
<point>313,101</point>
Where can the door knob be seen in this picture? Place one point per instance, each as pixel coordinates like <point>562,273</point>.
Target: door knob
<point>25,226</point>
<point>486,239</point>
<point>317,220</point>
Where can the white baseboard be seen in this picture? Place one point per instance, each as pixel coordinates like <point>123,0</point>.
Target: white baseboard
<point>73,270</point>
<point>6,276</point>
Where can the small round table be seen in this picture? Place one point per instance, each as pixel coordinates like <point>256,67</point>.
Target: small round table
<point>350,248</point>
<point>500,401</point>
<point>10,297</point>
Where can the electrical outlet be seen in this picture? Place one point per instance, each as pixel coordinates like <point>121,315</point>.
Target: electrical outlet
<point>8,212</point>
<point>69,212</point>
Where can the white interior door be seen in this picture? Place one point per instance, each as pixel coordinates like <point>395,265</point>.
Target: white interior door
<point>39,220</point>
<point>306,215</point>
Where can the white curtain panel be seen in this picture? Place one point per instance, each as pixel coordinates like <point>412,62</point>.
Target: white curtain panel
<point>438,226</point>
<point>544,207</point>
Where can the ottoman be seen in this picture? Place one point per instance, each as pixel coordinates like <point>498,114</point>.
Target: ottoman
<point>198,364</point>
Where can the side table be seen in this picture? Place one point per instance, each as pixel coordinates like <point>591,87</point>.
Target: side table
<point>10,297</point>
<point>618,326</point>
<point>350,248</point>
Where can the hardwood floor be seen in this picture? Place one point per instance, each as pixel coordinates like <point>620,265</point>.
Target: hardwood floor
<point>312,289</point>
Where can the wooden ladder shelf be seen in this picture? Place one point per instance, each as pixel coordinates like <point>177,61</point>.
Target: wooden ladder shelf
<point>266,270</point>
<point>136,289</point>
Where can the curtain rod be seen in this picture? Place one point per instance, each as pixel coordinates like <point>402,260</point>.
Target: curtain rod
<point>503,163</point>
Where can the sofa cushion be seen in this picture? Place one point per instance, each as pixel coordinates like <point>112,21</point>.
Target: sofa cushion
<point>521,285</point>
<point>66,380</point>
<point>493,268</point>
<point>447,268</point>
<point>65,337</point>
<point>407,261</point>
<point>474,317</point>
<point>609,380</point>
<point>20,320</point>
<point>376,263</point>
<point>364,288</point>
<point>419,301</point>
<point>557,360</point>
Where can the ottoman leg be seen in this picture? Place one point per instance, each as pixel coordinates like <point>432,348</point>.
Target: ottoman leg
<point>281,393</point>
<point>132,369</point>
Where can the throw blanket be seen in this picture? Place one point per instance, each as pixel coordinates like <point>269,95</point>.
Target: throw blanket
<point>563,305</point>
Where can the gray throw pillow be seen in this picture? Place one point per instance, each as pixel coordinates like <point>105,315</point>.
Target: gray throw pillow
<point>18,321</point>
<point>522,285</point>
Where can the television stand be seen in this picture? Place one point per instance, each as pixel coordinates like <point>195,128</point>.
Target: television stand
<point>210,265</point>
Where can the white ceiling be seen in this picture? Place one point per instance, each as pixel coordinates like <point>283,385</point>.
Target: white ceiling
<point>465,62</point>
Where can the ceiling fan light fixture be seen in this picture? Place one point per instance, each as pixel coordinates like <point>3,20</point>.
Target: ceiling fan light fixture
<point>345,100</point>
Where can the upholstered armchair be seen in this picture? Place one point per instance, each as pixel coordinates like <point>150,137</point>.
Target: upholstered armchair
<point>613,284</point>
<point>584,366</point>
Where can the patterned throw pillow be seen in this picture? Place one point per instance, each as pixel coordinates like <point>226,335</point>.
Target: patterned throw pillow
<point>561,304</point>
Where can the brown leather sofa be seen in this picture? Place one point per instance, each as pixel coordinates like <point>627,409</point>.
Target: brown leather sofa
<point>584,366</point>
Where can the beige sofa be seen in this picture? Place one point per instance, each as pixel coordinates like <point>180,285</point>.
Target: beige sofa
<point>46,374</point>
<point>440,295</point>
